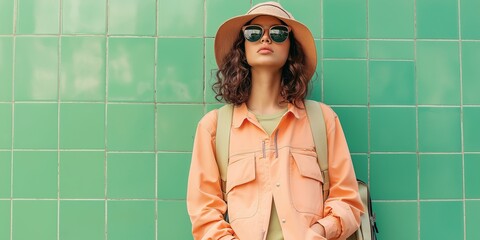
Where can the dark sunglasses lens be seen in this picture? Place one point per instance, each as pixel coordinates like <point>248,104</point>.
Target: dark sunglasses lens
<point>279,33</point>
<point>253,33</point>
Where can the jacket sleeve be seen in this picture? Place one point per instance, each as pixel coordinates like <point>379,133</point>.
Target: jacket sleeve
<point>205,203</point>
<point>343,206</point>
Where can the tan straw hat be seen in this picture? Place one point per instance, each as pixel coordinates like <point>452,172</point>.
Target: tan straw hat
<point>229,30</point>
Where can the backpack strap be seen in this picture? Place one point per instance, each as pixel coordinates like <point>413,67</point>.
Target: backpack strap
<point>222,142</point>
<point>367,220</point>
<point>317,126</point>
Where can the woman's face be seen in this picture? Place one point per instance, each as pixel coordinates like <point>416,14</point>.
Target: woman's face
<point>265,52</point>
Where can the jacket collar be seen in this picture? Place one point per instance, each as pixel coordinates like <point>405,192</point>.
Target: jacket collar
<point>241,113</point>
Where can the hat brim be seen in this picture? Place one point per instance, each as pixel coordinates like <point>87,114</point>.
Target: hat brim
<point>230,29</point>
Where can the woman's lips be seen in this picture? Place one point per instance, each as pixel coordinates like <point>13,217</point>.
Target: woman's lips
<point>265,50</point>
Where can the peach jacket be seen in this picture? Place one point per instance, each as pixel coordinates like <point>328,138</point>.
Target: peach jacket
<point>282,167</point>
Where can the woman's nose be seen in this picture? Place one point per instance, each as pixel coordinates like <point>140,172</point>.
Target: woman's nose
<point>266,37</point>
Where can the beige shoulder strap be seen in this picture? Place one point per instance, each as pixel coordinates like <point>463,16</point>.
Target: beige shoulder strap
<point>222,141</point>
<point>317,125</point>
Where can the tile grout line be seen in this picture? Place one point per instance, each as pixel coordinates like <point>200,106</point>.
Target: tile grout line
<point>15,10</point>
<point>204,57</point>
<point>416,114</point>
<point>462,136</point>
<point>322,59</point>
<point>369,120</point>
<point>155,116</point>
<point>105,130</point>
<point>115,199</point>
<point>59,60</point>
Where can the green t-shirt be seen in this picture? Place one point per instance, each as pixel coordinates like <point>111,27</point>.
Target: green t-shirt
<point>269,123</point>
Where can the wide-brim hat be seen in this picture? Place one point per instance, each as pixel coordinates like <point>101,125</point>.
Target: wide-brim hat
<point>228,32</point>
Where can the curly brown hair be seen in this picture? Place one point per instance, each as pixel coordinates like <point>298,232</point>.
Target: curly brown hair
<point>233,79</point>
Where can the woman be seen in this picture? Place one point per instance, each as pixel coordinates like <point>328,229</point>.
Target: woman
<point>274,183</point>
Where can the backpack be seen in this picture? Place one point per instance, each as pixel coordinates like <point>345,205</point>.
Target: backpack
<point>368,227</point>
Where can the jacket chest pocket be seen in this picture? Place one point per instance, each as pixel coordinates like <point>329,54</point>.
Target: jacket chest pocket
<point>306,183</point>
<point>242,192</point>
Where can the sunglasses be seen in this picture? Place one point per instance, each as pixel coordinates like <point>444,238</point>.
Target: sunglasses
<point>278,33</point>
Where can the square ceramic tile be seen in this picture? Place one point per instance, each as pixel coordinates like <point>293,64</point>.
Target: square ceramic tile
<point>131,69</point>
<point>131,175</point>
<point>439,129</point>
<point>6,126</point>
<point>5,174</point>
<point>383,49</point>
<point>311,16</point>
<point>345,81</point>
<point>345,49</point>
<point>437,19</point>
<point>38,118</point>
<point>5,222</point>
<point>391,19</point>
<point>471,129</point>
<point>344,19</point>
<point>386,170</point>
<point>38,17</point>
<point>6,67</point>
<point>433,217</point>
<point>84,16</point>
<point>34,219</point>
<point>127,17</point>
<point>173,167</point>
<point>360,164</point>
<point>392,216</point>
<point>393,129</point>
<point>82,175</point>
<point>174,82</point>
<point>439,172</point>
<point>36,68</point>
<point>82,126</point>
<point>130,127</point>
<point>81,220</point>
<point>35,174</point>
<point>392,82</point>
<point>178,20</point>
<point>472,208</point>
<point>140,223</point>
<point>176,126</point>
<point>219,11</point>
<point>6,16</point>
<point>470,72</point>
<point>470,19</point>
<point>438,72</point>
<point>472,176</point>
<point>173,219</point>
<point>354,121</point>
<point>83,69</point>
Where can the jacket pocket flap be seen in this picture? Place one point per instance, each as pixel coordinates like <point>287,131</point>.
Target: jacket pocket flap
<point>240,171</point>
<point>308,166</point>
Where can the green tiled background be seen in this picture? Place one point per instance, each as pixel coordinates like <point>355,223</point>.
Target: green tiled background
<point>99,100</point>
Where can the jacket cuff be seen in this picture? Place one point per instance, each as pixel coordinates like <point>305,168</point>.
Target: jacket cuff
<point>332,226</point>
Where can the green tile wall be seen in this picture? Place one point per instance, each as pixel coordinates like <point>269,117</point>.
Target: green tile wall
<point>99,100</point>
